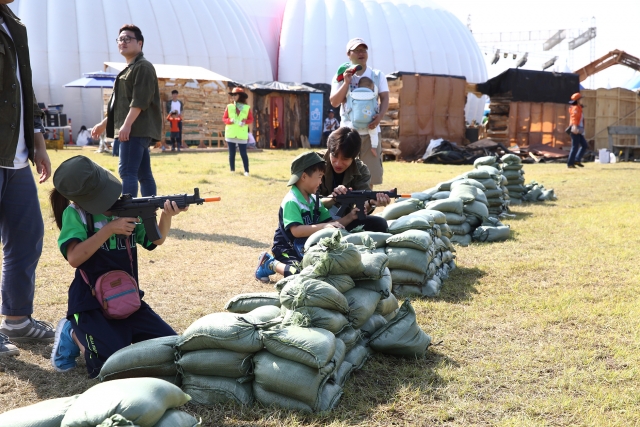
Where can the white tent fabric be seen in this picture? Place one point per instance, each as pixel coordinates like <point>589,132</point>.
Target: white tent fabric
<point>71,37</point>
<point>402,35</point>
<point>187,72</point>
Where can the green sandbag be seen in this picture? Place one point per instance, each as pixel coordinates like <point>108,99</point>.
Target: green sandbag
<point>215,362</point>
<point>375,322</point>
<point>402,336</point>
<point>129,397</point>
<point>150,358</point>
<point>349,336</point>
<point>321,234</point>
<point>382,285</point>
<point>461,229</point>
<point>399,209</point>
<point>234,332</point>
<point>342,374</point>
<point>447,242</point>
<point>494,170</point>
<point>512,175</point>
<point>533,195</point>
<point>308,292</point>
<point>446,185</point>
<point>409,290</point>
<point>264,313</point>
<point>493,203</point>
<point>491,234</point>
<point>313,347</point>
<point>289,378</point>
<point>490,184</point>
<point>445,230</point>
<point>407,259</point>
<point>454,218</point>
<point>423,197</point>
<point>452,204</point>
<point>176,418</point>
<point>461,240</point>
<point>342,282</point>
<point>374,266</point>
<point>272,399</point>
<point>316,317</point>
<point>470,181</point>
<point>117,420</point>
<point>393,314</point>
<point>476,208</point>
<point>440,195</point>
<point>414,239</point>
<point>547,195</point>
<point>362,304</point>
<point>492,194</point>
<point>435,217</point>
<point>514,167</point>
<point>511,159</point>
<point>329,397</point>
<point>473,220</point>
<point>173,379</point>
<point>410,222</point>
<point>467,193</point>
<point>244,303</point>
<point>357,239</point>
<point>404,277</point>
<point>378,238</point>
<point>334,257</point>
<point>340,354</point>
<point>358,355</point>
<point>48,413</point>
<point>387,305</point>
<point>209,390</point>
<point>485,160</point>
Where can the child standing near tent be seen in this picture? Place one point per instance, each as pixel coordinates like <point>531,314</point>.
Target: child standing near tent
<point>176,139</point>
<point>301,214</point>
<point>96,243</point>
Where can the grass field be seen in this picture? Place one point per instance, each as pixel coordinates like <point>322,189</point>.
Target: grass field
<point>540,330</point>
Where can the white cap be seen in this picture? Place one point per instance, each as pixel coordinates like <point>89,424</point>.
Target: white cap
<point>354,43</point>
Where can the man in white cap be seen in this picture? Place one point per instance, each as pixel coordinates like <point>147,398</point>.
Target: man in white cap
<point>345,81</point>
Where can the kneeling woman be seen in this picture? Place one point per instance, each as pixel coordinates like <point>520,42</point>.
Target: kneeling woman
<point>346,172</point>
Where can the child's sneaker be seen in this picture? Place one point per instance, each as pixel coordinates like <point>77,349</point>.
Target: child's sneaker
<point>65,350</point>
<point>6,347</point>
<point>264,269</point>
<point>246,174</point>
<point>29,330</point>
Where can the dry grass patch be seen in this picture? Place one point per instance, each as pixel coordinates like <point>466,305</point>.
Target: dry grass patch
<point>539,330</point>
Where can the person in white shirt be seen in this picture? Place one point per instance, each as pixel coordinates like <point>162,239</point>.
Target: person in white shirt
<point>357,52</point>
<point>330,124</point>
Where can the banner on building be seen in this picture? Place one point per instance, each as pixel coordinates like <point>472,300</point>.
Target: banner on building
<point>315,118</point>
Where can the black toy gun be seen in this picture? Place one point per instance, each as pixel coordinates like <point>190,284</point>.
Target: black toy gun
<point>145,208</point>
<point>356,198</point>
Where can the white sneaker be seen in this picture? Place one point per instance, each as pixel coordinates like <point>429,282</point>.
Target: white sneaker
<point>246,174</point>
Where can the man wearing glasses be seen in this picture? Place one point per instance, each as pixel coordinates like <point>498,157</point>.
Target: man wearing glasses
<point>134,115</point>
<point>358,54</point>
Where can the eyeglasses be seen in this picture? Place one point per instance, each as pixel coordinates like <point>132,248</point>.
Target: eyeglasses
<point>125,39</point>
<point>358,51</point>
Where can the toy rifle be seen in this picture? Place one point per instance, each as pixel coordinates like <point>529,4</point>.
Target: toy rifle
<point>145,208</point>
<point>356,198</point>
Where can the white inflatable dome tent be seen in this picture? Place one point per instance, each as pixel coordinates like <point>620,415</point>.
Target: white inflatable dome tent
<point>70,37</point>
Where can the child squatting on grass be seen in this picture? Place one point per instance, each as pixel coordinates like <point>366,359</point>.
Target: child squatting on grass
<point>94,243</point>
<point>301,214</point>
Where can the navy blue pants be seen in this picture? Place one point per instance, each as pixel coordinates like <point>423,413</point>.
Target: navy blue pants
<point>135,165</point>
<point>370,223</point>
<point>578,148</point>
<point>243,154</point>
<point>21,232</point>
<point>101,337</point>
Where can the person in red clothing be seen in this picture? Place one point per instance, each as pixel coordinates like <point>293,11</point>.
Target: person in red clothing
<point>578,142</point>
<point>237,117</point>
<point>176,139</point>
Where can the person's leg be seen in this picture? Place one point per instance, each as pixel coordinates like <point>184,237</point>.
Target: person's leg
<point>146,324</point>
<point>115,150</point>
<point>179,141</point>
<point>129,164</point>
<point>575,144</point>
<point>173,142</point>
<point>145,175</point>
<point>583,149</point>
<point>370,223</point>
<point>232,156</point>
<point>245,158</point>
<point>373,162</point>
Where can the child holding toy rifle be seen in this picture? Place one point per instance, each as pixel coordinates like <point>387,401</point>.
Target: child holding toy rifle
<point>301,214</point>
<point>105,312</point>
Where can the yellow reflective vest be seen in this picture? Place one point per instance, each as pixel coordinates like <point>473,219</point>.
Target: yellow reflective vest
<point>235,130</point>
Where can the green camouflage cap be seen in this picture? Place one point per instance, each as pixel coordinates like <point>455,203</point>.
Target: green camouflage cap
<point>302,162</point>
<point>87,184</point>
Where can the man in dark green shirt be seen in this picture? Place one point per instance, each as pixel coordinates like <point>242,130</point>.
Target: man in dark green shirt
<point>134,116</point>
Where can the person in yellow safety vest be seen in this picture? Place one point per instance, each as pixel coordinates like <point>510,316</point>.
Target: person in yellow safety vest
<point>237,117</point>
<point>578,142</point>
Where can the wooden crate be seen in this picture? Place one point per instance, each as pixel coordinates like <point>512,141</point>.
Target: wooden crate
<point>609,107</point>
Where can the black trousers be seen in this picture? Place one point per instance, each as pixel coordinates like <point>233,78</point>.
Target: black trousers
<point>371,223</point>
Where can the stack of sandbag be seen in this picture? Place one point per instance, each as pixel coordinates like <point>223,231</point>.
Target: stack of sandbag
<point>143,402</point>
<point>512,170</point>
<point>489,174</point>
<point>534,192</point>
<point>491,230</point>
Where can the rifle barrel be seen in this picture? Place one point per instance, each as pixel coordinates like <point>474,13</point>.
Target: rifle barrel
<point>212,199</point>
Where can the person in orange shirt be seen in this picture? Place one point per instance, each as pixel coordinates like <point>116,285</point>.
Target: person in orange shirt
<point>175,120</point>
<point>578,142</point>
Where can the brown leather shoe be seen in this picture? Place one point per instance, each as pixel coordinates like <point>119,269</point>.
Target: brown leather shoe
<point>579,164</point>
<point>571,166</point>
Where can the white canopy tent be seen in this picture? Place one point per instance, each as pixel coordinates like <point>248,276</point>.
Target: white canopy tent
<point>183,72</point>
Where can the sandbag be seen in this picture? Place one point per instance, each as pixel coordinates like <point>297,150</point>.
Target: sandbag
<point>340,354</point>
<point>374,266</point>
<point>477,174</point>
<point>362,304</point>
<point>342,282</point>
<point>208,390</point>
<point>446,185</point>
<point>415,260</point>
<point>387,305</point>
<point>441,195</point>
<point>313,347</point>
<point>435,217</point>
<point>421,196</point>
<point>461,229</point>
<point>308,292</point>
<point>48,413</point>
<point>496,202</point>
<point>447,242</point>
<point>547,195</point>
<point>244,303</point>
<point>349,336</point>
<point>375,322</point>
<point>452,204</point>
<point>382,285</point>
<point>393,314</point>
<point>511,159</point>
<point>410,222</point>
<point>409,290</point>
<point>128,397</point>
<point>176,418</point>
<point>234,332</point>
<point>378,238</point>
<point>476,208</point>
<point>485,160</point>
<point>469,181</point>
<point>513,175</point>
<point>512,167</point>
<point>276,400</point>
<point>264,313</point>
<point>405,277</point>
<point>491,234</point>
<point>413,239</point>
<point>399,209</point>
<point>460,240</point>
<point>150,358</point>
<point>454,218</point>
<point>467,193</point>
<point>321,234</point>
<point>342,374</point>
<point>358,355</point>
<point>316,317</point>
<point>334,257</point>
<point>290,378</point>
<point>402,336</point>
<point>445,230</point>
<point>494,194</point>
<point>215,362</point>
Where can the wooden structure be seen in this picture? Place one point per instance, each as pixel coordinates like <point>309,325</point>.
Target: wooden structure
<point>422,107</point>
<point>610,107</point>
<point>280,112</point>
<point>612,58</point>
<point>624,130</point>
